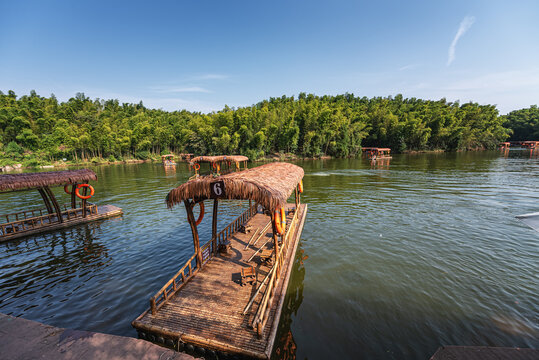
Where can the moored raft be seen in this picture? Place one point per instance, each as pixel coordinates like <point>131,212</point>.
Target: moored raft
<point>207,308</point>
<point>54,216</point>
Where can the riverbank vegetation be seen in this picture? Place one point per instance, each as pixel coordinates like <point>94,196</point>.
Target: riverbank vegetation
<point>38,130</point>
<point>524,123</point>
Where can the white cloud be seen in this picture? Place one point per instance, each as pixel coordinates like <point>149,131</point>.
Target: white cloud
<point>408,67</point>
<point>465,25</point>
<point>211,77</point>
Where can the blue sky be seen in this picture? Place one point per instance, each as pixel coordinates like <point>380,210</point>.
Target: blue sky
<point>200,55</point>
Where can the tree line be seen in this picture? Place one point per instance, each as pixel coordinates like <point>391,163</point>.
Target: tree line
<point>42,129</point>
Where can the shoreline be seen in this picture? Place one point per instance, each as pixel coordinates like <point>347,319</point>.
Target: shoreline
<point>267,158</point>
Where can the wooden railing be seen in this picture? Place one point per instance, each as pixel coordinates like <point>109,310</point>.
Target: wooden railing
<point>32,219</point>
<point>262,314</point>
<point>174,285</point>
<point>177,282</point>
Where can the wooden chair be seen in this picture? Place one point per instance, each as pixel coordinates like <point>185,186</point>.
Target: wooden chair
<point>266,256</point>
<point>248,275</point>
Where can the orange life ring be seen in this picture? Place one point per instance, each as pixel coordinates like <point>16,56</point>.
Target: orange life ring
<point>216,166</point>
<point>196,166</point>
<point>280,221</point>
<point>66,187</point>
<point>300,186</point>
<point>201,215</point>
<point>83,197</point>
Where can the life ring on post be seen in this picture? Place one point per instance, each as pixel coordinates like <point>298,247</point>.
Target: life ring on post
<point>201,215</point>
<point>66,187</point>
<point>300,186</point>
<point>196,166</point>
<point>279,220</point>
<point>84,197</point>
<point>216,166</point>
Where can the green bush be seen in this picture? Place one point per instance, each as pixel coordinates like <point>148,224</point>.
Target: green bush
<point>32,162</point>
<point>142,155</point>
<point>111,158</point>
<point>13,149</point>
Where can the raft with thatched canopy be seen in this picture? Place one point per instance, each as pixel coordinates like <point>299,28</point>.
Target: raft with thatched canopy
<point>219,164</point>
<point>168,160</point>
<point>55,215</point>
<point>227,298</point>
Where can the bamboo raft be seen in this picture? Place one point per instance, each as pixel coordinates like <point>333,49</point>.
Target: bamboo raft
<point>206,307</point>
<point>53,216</point>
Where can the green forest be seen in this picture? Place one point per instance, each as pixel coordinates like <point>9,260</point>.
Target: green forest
<point>36,130</point>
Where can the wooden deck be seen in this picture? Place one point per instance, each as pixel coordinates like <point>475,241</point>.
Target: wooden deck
<point>207,311</point>
<point>45,223</point>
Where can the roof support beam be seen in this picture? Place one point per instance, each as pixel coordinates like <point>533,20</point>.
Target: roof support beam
<point>45,200</point>
<point>214,225</point>
<point>55,204</point>
<point>196,242</point>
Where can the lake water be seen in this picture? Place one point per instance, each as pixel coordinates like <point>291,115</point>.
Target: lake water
<point>395,260</point>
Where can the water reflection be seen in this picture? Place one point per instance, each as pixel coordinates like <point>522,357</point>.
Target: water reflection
<point>285,346</point>
<point>66,255</point>
<point>170,169</point>
<point>380,163</point>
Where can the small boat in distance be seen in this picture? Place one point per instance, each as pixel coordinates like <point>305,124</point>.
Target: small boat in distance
<point>219,164</point>
<point>168,160</point>
<point>55,215</point>
<point>205,308</point>
<point>375,153</point>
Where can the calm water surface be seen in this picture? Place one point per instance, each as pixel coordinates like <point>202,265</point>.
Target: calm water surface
<point>394,262</point>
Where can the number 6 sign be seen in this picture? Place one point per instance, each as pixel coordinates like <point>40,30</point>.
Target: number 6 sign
<point>217,189</point>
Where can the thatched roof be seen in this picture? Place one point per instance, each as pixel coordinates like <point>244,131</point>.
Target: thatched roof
<point>35,180</point>
<point>270,185</point>
<point>212,159</point>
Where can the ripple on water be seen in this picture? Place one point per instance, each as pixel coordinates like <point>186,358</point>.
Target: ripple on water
<point>398,261</point>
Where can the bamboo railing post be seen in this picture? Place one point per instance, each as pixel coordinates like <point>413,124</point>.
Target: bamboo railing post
<point>45,200</point>
<point>196,242</point>
<point>59,216</point>
<point>296,198</point>
<point>214,225</point>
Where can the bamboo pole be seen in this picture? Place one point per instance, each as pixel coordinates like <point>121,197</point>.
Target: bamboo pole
<point>196,242</point>
<point>251,239</point>
<point>263,232</point>
<point>260,248</point>
<point>73,196</point>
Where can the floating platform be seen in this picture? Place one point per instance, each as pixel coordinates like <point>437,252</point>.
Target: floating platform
<point>26,339</point>
<point>208,309</point>
<point>36,222</point>
<point>54,216</point>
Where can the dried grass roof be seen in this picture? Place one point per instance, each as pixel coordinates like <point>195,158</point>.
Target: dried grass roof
<point>35,180</point>
<point>212,159</point>
<point>269,185</point>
